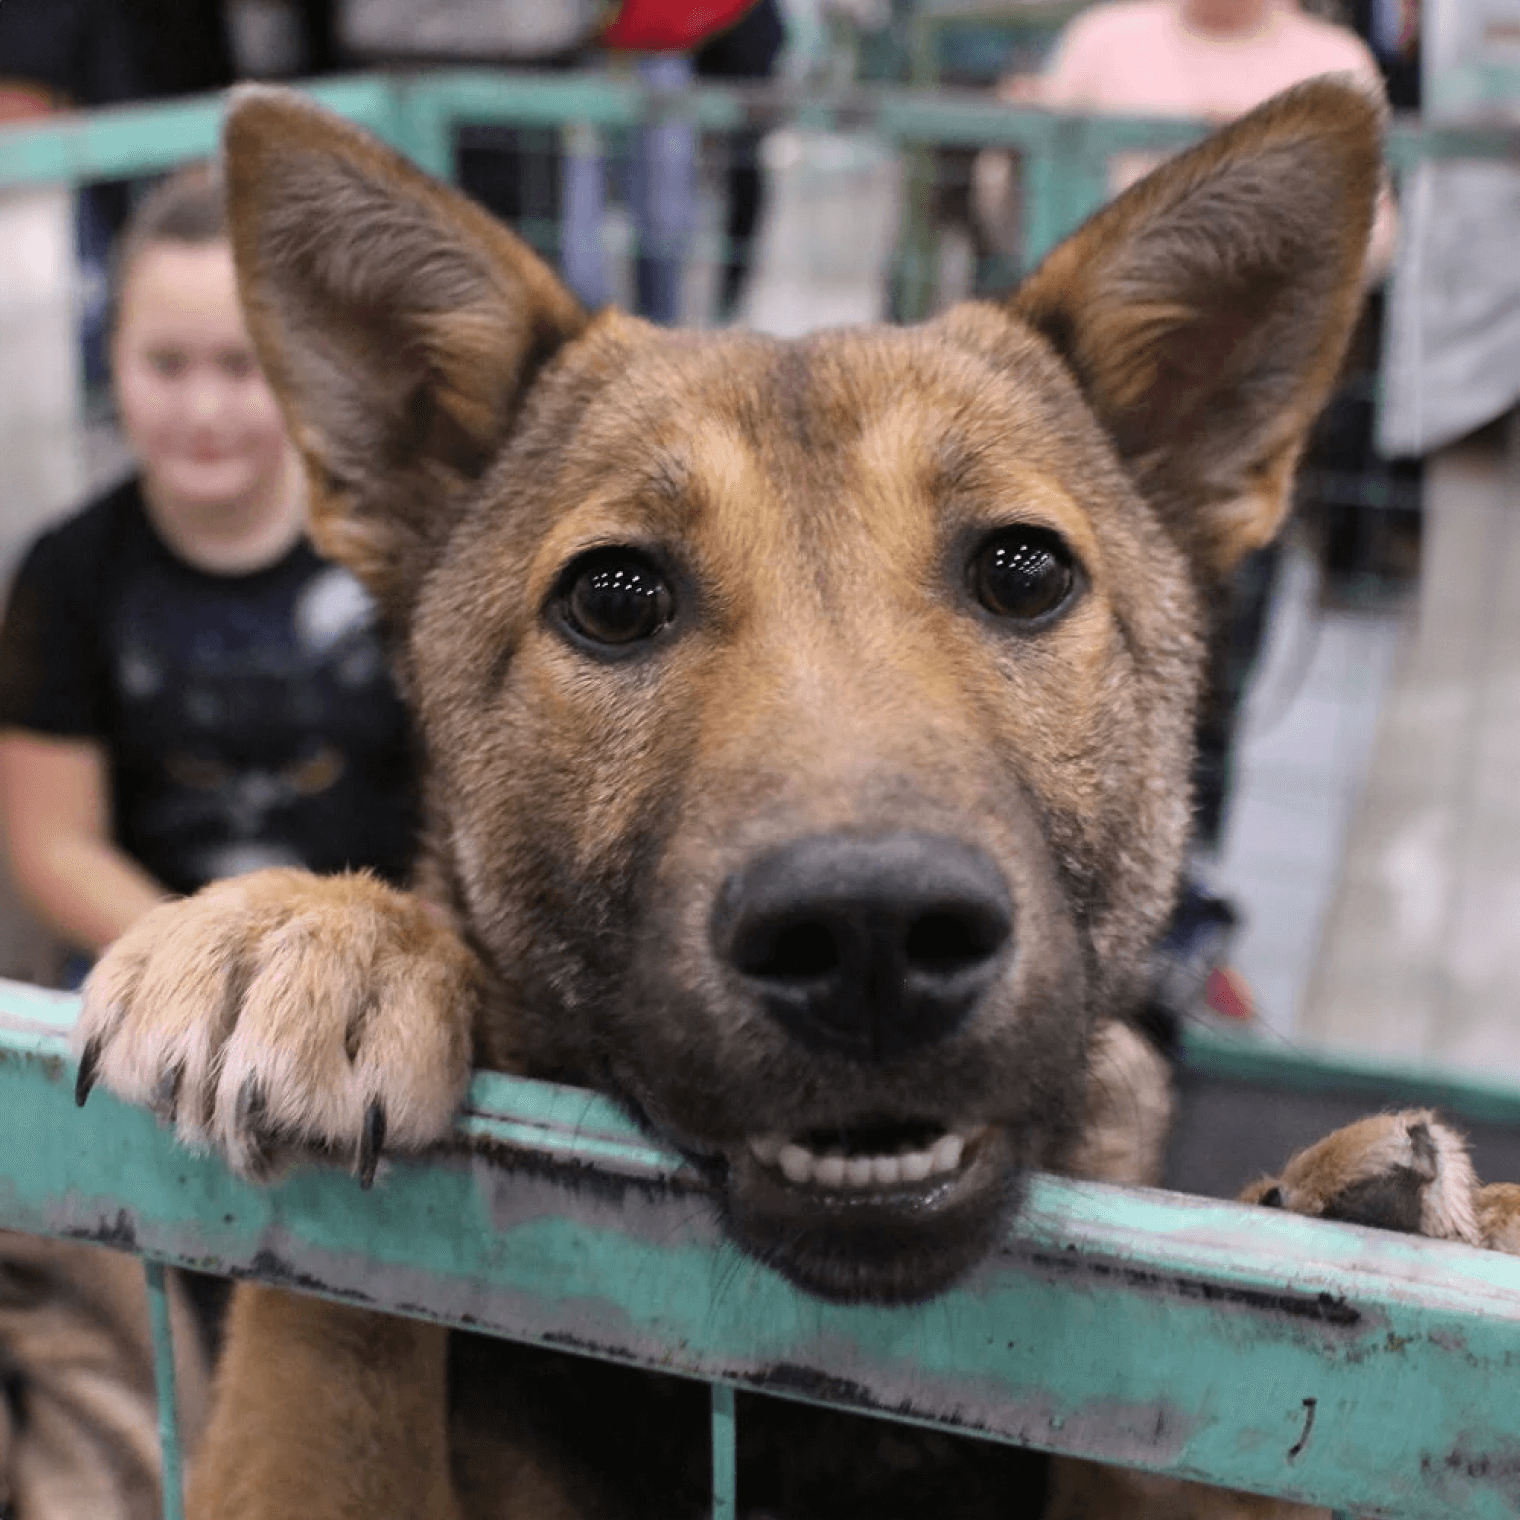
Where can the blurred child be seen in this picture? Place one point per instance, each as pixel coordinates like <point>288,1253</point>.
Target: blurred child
<point>186,690</point>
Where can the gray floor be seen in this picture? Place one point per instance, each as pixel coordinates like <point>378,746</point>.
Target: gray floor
<point>1305,747</point>
<point>1376,839</point>
<point>1419,944</point>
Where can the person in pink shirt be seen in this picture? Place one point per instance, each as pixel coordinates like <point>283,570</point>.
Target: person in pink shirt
<point>1213,59</point>
<point>1207,59</point>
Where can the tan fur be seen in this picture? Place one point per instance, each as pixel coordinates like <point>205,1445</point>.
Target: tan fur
<point>363,1372</point>
<point>343,996</point>
<point>1395,1171</point>
<point>832,676</point>
<point>1498,1208</point>
<point>1082,1491</point>
<point>1129,1110</point>
<point>1428,1177</point>
<point>81,1437</point>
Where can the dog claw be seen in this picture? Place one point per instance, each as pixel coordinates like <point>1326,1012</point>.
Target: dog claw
<point>164,1100</point>
<point>371,1139</point>
<point>250,1105</point>
<point>248,1120</point>
<point>89,1064</point>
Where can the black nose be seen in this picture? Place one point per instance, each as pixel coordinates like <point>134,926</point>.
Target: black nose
<point>869,945</point>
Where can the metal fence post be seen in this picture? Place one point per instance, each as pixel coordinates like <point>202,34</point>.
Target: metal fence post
<point>423,126</point>
<point>724,1450</point>
<point>163,1377</point>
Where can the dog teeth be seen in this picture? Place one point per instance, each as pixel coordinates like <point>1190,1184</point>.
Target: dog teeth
<point>796,1163</point>
<point>830,1171</point>
<point>915,1166</point>
<point>946,1155</point>
<point>858,1171</point>
<point>837,1171</point>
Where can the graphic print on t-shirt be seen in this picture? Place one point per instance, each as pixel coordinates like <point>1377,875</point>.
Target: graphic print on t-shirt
<point>246,720</point>
<point>239,704</point>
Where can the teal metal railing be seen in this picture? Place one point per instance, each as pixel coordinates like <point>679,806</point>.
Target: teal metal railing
<point>1342,1367</point>
<point>1351,1368</point>
<point>1066,156</point>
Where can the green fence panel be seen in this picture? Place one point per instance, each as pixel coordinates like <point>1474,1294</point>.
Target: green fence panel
<point>1244,1056</point>
<point>1066,155</point>
<point>724,1453</point>
<point>168,1399</point>
<point>128,141</point>
<point>1345,1367</point>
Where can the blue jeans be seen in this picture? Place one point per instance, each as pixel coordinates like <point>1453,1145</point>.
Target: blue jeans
<point>661,188</point>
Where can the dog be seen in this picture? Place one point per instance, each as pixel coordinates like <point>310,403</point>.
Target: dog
<point>807,727</point>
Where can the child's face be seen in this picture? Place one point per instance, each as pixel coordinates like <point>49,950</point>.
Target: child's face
<point>192,400</point>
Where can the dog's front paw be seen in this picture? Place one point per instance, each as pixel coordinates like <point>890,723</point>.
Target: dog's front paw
<point>1499,1216</point>
<point>1405,1171</point>
<point>282,1013</point>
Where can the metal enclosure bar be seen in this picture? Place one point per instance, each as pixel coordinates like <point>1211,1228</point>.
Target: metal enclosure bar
<point>417,113</point>
<point>1171,1333</point>
<point>164,1380</point>
<point>725,1503</point>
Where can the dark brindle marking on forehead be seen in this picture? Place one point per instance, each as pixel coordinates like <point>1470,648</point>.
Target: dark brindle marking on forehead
<point>792,415</point>
<point>821,449</point>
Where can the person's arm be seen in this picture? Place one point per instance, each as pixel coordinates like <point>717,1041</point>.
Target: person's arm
<point>56,815</point>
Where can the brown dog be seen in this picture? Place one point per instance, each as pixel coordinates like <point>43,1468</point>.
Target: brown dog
<point>807,728</point>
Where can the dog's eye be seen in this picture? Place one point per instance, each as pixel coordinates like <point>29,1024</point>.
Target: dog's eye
<point>1024,573</point>
<point>616,597</point>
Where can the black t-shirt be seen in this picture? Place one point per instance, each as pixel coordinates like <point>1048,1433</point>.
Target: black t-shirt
<point>103,52</point>
<point>248,720</point>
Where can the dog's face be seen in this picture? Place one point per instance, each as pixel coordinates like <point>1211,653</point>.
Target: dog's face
<point>808,723</point>
<point>809,770</point>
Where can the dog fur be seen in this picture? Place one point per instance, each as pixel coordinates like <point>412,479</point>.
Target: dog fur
<point>698,628</point>
<point>78,1415</point>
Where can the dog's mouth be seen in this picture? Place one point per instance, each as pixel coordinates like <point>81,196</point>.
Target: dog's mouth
<point>884,1211</point>
<point>869,1158</point>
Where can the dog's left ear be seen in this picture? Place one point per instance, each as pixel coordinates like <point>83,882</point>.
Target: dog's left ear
<point>400,327</point>
<point>1205,312</point>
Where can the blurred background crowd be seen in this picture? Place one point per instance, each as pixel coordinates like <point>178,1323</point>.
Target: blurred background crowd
<point>1357,865</point>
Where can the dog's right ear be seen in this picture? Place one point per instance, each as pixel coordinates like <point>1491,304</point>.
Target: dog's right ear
<point>1205,312</point>
<point>400,327</point>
